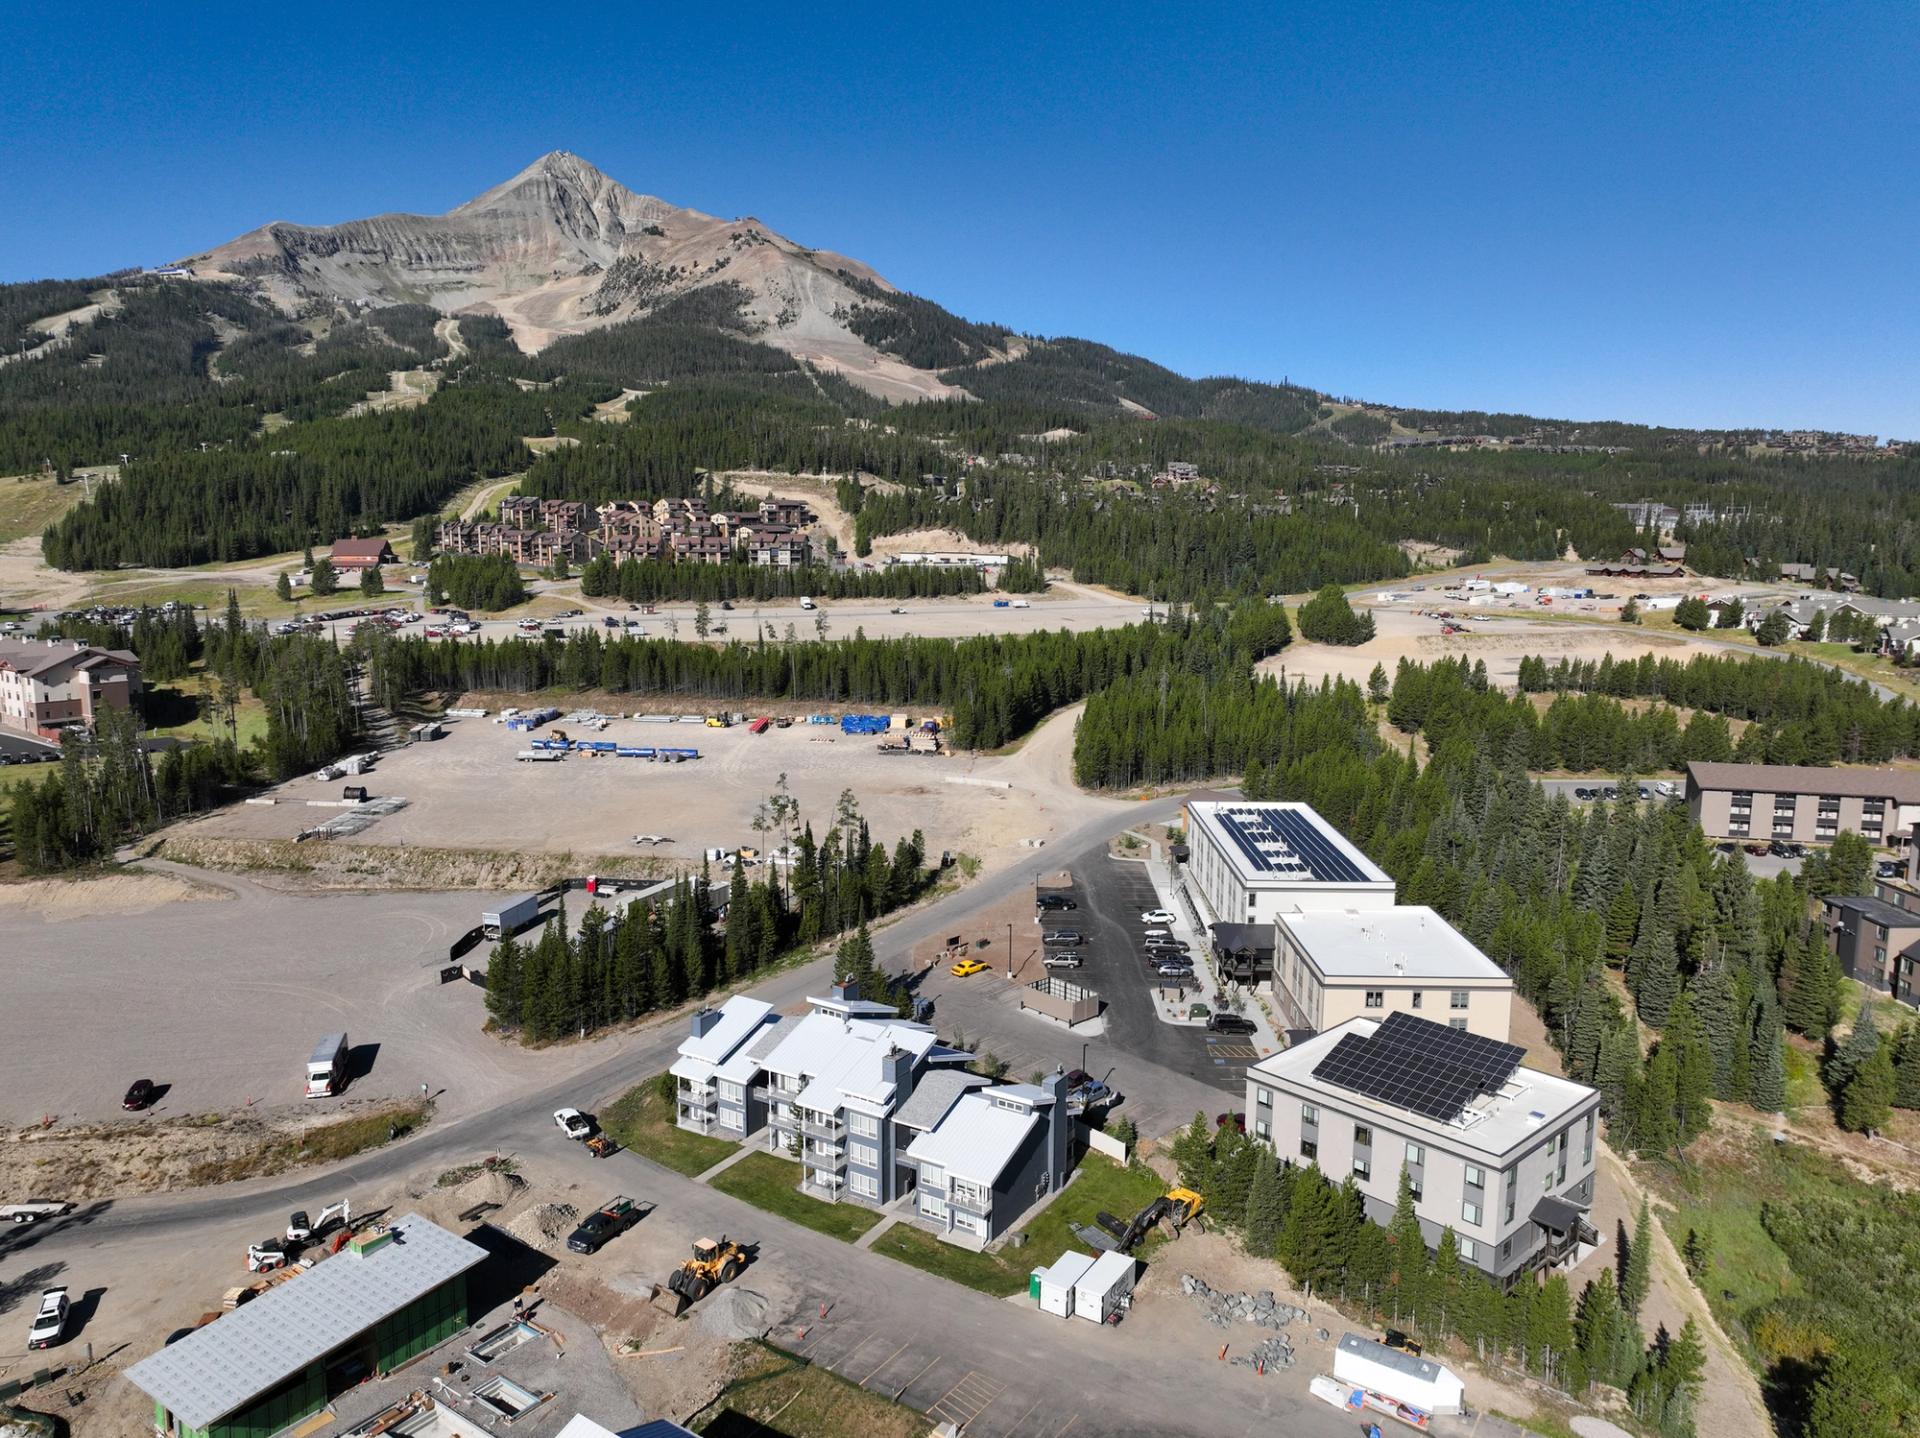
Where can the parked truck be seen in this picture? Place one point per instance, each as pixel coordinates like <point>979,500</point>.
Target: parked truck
<point>511,918</point>
<point>327,1066</point>
<point>611,1219</point>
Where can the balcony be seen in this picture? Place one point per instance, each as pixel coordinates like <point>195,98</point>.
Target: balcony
<point>699,1119</point>
<point>831,1132</point>
<point>705,1098</point>
<point>978,1201</point>
<point>828,1184</point>
<point>825,1158</point>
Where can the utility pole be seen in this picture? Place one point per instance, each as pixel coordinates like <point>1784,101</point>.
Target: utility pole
<point>1009,953</point>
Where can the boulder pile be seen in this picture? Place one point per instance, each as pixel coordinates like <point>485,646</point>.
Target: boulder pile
<point>1261,1309</point>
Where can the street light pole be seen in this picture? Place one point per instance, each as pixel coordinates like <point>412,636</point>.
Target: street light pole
<point>1009,953</point>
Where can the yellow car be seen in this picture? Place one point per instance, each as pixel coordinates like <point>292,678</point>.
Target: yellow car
<point>967,968</point>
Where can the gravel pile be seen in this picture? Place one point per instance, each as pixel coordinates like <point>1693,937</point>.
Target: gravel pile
<point>733,1313</point>
<point>1261,1309</point>
<point>545,1224</point>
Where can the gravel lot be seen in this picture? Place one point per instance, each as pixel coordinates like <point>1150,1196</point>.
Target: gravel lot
<point>468,790</point>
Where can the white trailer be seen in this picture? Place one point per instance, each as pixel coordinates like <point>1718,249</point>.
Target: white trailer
<point>1106,1288</point>
<point>1054,1286</point>
<point>33,1210</point>
<point>1404,1381</point>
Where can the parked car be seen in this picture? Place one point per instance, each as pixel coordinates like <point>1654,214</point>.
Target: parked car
<point>1064,938</point>
<point>1157,916</point>
<point>1583,793</point>
<point>1779,849</point>
<point>1168,944</point>
<point>1063,959</point>
<point>1757,847</point>
<point>1230,1024</point>
<point>967,968</point>
<point>50,1323</point>
<point>1078,1079</point>
<point>573,1123</point>
<point>139,1095</point>
<point>1174,969</point>
<point>1612,791</point>
<point>1152,934</point>
<point>1055,903</point>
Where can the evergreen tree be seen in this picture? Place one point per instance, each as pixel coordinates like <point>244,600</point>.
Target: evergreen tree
<point>371,584</point>
<point>283,587</point>
<point>1636,1273</point>
<point>1866,1099</point>
<point>1192,1154</point>
<point>1767,1090</point>
<point>1906,1069</point>
<point>1855,1396</point>
<point>1812,988</point>
<point>1409,1271</point>
<point>1862,1042</point>
<point>1657,1127</point>
<point>1266,1206</point>
<point>1443,1285</point>
<point>1549,1340</point>
<point>1693,1062</point>
<point>1377,684</point>
<point>322,582</point>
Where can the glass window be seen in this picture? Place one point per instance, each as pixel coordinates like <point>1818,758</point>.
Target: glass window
<point>1416,1154</point>
<point>1263,1097</point>
<point>1376,998</point>
<point>1261,1129</point>
<point>1362,1168</point>
<point>1470,1212</point>
<point>1460,1024</point>
<point>864,1153</point>
<point>1476,1176</point>
<point>1509,1181</point>
<point>864,1124</point>
<point>1417,996</point>
<point>1506,1250</point>
<point>1309,1114</point>
<point>1309,1150</point>
<point>1588,1152</point>
<point>1469,1251</point>
<point>1457,999</point>
<point>1362,1136</point>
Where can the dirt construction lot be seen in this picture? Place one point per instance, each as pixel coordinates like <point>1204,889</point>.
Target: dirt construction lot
<point>468,790</point>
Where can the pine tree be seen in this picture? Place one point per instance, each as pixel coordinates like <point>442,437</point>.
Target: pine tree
<point>1906,1069</point>
<point>371,583</point>
<point>1693,1068</point>
<point>1866,1100</point>
<point>1596,1327</point>
<point>1549,1338</point>
<point>1856,1396</point>
<point>1192,1155</point>
<point>1863,1041</point>
<point>1637,1272</point>
<point>1656,1125</point>
<point>1623,923</point>
<point>1812,988</point>
<point>1443,1285</point>
<point>1409,1255</point>
<point>1714,997</point>
<point>1266,1206</point>
<point>283,587</point>
<point>1768,1088</point>
<point>322,583</point>
<point>1377,684</point>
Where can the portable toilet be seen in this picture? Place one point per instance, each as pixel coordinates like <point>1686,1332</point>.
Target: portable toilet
<point>1105,1288</point>
<point>1054,1287</point>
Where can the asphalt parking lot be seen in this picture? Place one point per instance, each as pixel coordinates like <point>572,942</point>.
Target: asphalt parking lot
<point>13,746</point>
<point>1112,894</point>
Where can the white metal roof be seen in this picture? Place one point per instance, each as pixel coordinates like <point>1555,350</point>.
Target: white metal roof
<point>1406,941</point>
<point>744,1065</point>
<point>841,1058</point>
<point>933,1095</point>
<point>739,1017</point>
<point>976,1140</point>
<point>217,1369</point>
<point>1314,856</point>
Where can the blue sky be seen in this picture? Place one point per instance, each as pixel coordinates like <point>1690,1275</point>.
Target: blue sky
<point>1695,213</point>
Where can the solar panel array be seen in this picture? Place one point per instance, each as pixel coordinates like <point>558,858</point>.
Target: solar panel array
<point>1420,1066</point>
<point>1289,843</point>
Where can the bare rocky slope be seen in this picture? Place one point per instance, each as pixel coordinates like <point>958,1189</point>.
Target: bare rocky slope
<point>561,249</point>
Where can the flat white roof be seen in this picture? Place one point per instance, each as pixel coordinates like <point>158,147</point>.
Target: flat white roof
<point>1408,940</point>
<point>1067,1270</point>
<point>842,1057</point>
<point>1108,1269</point>
<point>977,1139</point>
<point>1530,1102</point>
<point>739,1017</point>
<point>1284,846</point>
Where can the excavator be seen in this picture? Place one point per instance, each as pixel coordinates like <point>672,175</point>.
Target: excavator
<point>713,1263</point>
<point>1175,1208</point>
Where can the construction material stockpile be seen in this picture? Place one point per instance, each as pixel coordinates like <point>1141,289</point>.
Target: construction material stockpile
<point>1261,1309</point>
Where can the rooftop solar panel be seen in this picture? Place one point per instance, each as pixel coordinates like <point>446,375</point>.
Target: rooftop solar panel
<point>1287,841</point>
<point>1491,1060</point>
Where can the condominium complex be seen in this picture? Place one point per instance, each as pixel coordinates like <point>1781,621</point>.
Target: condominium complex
<point>1801,804</point>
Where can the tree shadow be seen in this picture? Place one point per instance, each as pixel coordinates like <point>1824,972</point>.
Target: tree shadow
<point>29,1284</point>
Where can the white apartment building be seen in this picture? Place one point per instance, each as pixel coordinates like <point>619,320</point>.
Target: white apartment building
<point>1331,966</point>
<point>1252,863</point>
<point>1501,1154</point>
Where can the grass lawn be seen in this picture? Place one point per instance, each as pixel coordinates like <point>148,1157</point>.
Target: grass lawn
<point>808,1402</point>
<point>1101,1184</point>
<point>768,1181</point>
<point>643,1122</point>
<point>174,710</point>
<point>1803,1081</point>
<point>27,506</point>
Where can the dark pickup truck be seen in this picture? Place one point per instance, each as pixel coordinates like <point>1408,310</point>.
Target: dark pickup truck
<point>613,1218</point>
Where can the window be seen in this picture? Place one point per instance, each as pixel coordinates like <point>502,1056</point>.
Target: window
<point>1587,1152</point>
<point>1476,1176</point>
<point>864,1184</point>
<point>864,1124</point>
<point>1309,1150</point>
<point>1509,1181</point>
<point>1417,996</point>
<point>1376,998</point>
<point>1416,1155</point>
<point>1469,1251</point>
<point>933,1176</point>
<point>1415,1188</point>
<point>1506,1250</point>
<point>1309,1114</point>
<point>864,1153</point>
<point>1457,999</point>
<point>1362,1167</point>
<point>1470,1212</point>
<point>1263,1097</point>
<point>1460,1024</point>
<point>1262,1129</point>
<point>1362,1136</point>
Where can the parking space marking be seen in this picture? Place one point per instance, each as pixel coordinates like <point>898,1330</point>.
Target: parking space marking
<point>967,1399</point>
<point>1011,1432</point>
<point>839,1364</point>
<point>1066,1425</point>
<point>918,1376</point>
<point>1235,1051</point>
<point>882,1364</point>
